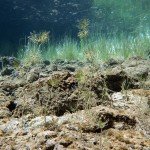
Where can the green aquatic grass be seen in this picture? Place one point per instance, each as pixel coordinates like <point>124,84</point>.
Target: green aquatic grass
<point>50,53</point>
<point>68,50</point>
<point>30,55</point>
<point>119,47</point>
<point>98,48</point>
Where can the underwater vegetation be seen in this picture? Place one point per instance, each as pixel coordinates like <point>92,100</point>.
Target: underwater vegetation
<point>98,49</point>
<point>71,29</point>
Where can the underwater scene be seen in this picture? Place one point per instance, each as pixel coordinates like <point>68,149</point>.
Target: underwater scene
<point>75,75</point>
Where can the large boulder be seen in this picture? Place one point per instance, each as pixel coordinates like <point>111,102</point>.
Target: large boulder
<point>137,68</point>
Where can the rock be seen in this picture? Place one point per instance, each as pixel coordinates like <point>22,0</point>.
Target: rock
<point>117,96</point>
<point>3,99</point>
<point>58,147</point>
<point>112,62</point>
<point>119,125</point>
<point>5,61</point>
<point>136,68</point>
<point>118,79</point>
<point>146,84</point>
<point>50,144</point>
<point>14,62</point>
<point>70,68</point>
<point>9,147</point>
<point>148,103</point>
<point>59,61</point>
<point>33,76</point>
<point>1,133</point>
<point>11,125</point>
<point>43,75</point>
<point>1,65</point>
<point>80,64</point>
<point>39,121</point>
<point>47,134</point>
<point>10,61</point>
<point>54,67</point>
<point>46,62</point>
<point>4,113</point>
<point>115,78</point>
<point>7,71</point>
<point>119,100</point>
<point>65,142</point>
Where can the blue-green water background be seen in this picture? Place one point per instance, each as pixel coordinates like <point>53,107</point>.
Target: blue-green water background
<point>107,17</point>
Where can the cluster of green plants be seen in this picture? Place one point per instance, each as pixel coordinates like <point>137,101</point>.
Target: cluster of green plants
<point>32,54</point>
<point>97,47</point>
<point>115,29</point>
<point>83,27</point>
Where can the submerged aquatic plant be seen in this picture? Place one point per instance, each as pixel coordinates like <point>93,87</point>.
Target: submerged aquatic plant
<point>33,50</point>
<point>94,49</point>
<point>68,50</point>
<point>83,27</point>
<point>39,38</point>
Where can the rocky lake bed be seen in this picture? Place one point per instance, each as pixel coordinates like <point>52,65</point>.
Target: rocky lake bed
<point>74,105</point>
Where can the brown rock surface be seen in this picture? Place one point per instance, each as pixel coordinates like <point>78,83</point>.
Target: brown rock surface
<point>80,109</point>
